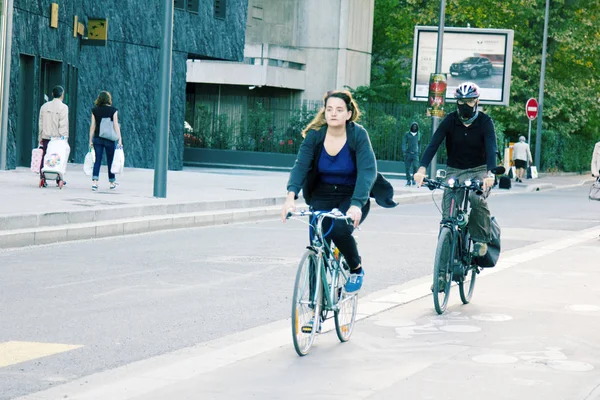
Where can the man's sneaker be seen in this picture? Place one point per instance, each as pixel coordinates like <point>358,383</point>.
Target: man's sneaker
<point>354,282</point>
<point>408,183</point>
<point>307,328</point>
<point>479,249</point>
<point>442,285</point>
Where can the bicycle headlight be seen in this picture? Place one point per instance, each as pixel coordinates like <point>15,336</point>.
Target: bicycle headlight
<point>468,182</point>
<point>451,182</point>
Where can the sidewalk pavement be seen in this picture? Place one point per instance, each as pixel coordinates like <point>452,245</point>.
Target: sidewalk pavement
<point>531,332</point>
<point>195,197</point>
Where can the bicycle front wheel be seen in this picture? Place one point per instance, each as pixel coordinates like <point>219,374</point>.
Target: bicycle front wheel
<point>306,303</point>
<point>467,285</point>
<point>442,270</point>
<point>345,311</point>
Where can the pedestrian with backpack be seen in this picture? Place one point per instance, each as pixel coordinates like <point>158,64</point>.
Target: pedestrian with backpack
<point>105,134</point>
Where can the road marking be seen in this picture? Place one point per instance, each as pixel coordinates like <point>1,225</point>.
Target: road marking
<point>18,352</point>
<point>143,377</point>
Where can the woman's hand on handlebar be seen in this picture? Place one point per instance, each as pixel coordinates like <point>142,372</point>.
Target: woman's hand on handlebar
<point>288,205</point>
<point>356,214</point>
<point>419,176</point>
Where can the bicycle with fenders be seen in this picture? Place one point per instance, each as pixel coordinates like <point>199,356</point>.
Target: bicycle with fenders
<point>454,260</point>
<point>319,286</point>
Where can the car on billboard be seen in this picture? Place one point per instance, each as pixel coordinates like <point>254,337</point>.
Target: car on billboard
<point>472,67</point>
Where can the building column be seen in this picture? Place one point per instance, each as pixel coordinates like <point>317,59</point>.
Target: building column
<point>5,60</point>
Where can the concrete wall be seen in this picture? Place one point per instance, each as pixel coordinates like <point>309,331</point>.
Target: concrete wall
<point>337,36</point>
<point>127,66</point>
<point>272,22</point>
<point>331,39</point>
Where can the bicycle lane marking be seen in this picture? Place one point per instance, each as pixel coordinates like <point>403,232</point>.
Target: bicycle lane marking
<point>144,377</point>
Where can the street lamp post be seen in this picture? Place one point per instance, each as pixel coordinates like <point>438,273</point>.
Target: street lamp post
<point>161,147</point>
<point>438,69</point>
<point>538,136</point>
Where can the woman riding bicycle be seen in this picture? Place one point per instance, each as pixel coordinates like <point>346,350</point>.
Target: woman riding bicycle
<point>336,168</point>
<point>471,146</point>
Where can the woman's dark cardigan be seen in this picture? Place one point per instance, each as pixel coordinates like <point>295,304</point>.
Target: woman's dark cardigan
<point>369,183</point>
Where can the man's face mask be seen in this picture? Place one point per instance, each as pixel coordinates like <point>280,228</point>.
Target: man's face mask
<point>466,108</point>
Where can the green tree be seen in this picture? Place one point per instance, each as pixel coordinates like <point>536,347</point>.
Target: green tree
<point>571,90</point>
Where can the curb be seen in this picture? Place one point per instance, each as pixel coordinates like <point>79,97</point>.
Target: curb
<point>129,226</point>
<point>46,228</point>
<point>50,219</point>
<point>54,227</point>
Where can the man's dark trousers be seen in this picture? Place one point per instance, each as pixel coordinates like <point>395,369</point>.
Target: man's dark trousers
<point>411,164</point>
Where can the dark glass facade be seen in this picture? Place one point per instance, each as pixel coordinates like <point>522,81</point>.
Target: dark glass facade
<point>126,65</point>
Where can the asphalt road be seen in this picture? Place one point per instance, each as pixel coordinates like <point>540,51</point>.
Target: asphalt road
<point>119,300</point>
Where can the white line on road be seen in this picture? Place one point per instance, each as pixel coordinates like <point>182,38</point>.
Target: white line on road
<point>143,377</point>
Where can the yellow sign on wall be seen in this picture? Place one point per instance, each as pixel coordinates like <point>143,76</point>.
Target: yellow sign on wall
<point>98,31</point>
<point>54,15</point>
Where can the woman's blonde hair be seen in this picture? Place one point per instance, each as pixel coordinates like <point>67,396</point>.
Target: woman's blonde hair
<point>104,99</point>
<point>319,120</point>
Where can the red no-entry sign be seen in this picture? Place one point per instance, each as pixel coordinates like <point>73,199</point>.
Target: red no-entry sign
<point>531,108</point>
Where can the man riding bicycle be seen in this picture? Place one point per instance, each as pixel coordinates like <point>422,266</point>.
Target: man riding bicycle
<point>471,147</point>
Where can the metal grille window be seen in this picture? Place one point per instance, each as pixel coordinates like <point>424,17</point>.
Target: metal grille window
<point>193,5</point>
<point>220,8</point>
<point>180,4</point>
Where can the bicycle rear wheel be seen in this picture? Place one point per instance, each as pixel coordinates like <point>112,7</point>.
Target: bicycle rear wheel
<point>442,270</point>
<point>306,303</point>
<point>467,284</point>
<point>345,312</point>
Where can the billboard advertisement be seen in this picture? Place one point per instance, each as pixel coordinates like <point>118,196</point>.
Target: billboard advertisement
<point>482,56</point>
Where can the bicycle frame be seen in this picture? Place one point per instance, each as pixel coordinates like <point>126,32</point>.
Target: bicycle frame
<point>328,267</point>
<point>458,218</point>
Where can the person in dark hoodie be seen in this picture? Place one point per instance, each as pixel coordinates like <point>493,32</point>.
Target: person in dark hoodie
<point>411,150</point>
<point>336,168</point>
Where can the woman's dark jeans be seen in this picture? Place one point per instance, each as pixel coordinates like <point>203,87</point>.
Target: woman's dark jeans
<point>101,145</point>
<point>327,197</point>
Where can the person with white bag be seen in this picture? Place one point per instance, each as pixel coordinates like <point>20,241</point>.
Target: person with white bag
<point>105,134</point>
<point>53,123</point>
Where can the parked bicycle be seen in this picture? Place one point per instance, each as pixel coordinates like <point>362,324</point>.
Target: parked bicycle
<point>319,287</point>
<point>453,256</point>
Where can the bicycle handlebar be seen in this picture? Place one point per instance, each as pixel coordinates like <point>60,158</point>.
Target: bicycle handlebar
<point>333,214</point>
<point>453,184</point>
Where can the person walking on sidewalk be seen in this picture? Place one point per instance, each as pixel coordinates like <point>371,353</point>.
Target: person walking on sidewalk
<point>410,148</point>
<point>104,109</point>
<point>521,156</point>
<point>53,121</point>
<point>336,168</point>
<point>596,160</point>
<point>471,146</point>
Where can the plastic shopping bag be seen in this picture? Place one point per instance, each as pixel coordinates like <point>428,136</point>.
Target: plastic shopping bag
<point>532,172</point>
<point>88,163</point>
<point>36,160</point>
<point>595,190</point>
<point>118,161</point>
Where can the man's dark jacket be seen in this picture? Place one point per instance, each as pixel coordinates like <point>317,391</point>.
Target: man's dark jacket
<point>369,183</point>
